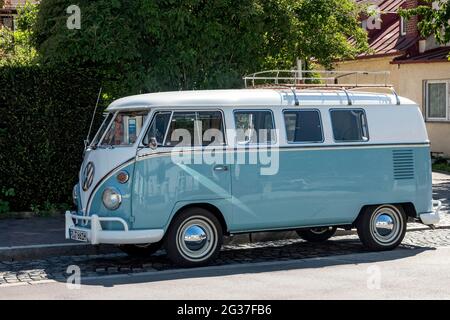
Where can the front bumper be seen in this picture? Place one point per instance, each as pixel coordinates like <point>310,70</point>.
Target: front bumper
<point>432,217</point>
<point>96,235</point>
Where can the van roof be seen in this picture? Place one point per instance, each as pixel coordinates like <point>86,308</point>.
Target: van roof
<point>254,98</point>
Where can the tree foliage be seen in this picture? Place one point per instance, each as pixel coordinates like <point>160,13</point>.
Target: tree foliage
<point>435,19</point>
<point>16,47</point>
<point>154,45</point>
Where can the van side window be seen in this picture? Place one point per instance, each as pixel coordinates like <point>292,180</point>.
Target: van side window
<point>196,128</point>
<point>303,126</point>
<point>349,125</point>
<point>158,127</point>
<point>254,127</point>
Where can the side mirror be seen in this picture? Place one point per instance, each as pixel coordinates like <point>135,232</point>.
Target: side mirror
<point>153,143</point>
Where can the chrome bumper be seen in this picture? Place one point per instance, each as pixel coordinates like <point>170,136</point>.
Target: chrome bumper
<point>432,217</point>
<point>96,235</point>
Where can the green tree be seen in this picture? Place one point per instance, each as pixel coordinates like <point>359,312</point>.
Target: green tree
<point>154,45</point>
<point>16,47</point>
<point>434,19</point>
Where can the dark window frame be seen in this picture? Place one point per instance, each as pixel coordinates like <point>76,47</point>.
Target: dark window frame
<point>172,111</point>
<point>350,109</point>
<point>273,142</point>
<point>302,110</point>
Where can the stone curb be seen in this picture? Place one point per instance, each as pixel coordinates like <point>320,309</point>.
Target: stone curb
<point>21,253</point>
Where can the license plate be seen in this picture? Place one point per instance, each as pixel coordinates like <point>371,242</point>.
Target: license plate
<point>78,235</point>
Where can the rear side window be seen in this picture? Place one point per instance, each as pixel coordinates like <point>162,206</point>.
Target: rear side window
<point>196,128</point>
<point>303,126</point>
<point>349,125</point>
<point>254,127</point>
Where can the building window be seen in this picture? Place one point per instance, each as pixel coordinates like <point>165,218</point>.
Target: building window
<point>437,99</point>
<point>403,26</point>
<point>7,21</point>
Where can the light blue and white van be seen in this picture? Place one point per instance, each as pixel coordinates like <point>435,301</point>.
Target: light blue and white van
<point>180,170</point>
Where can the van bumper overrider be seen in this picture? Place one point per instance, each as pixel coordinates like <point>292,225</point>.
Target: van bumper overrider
<point>96,235</point>
<point>432,217</point>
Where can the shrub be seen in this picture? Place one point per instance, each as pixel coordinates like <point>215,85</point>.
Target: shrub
<point>45,115</point>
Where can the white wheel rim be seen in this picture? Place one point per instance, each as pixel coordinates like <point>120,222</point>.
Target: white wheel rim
<point>196,238</point>
<point>386,225</point>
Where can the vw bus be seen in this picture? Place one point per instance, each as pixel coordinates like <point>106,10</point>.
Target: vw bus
<point>181,170</point>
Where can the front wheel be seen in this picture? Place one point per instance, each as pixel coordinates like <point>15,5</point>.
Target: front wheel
<point>317,234</point>
<point>194,238</point>
<point>382,228</point>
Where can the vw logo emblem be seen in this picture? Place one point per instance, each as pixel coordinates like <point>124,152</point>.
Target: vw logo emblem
<point>88,176</point>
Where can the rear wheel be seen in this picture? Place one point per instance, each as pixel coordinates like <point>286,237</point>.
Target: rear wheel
<point>382,228</point>
<point>194,238</point>
<point>140,250</point>
<point>317,234</point>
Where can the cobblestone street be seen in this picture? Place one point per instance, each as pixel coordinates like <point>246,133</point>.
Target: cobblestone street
<point>90,266</point>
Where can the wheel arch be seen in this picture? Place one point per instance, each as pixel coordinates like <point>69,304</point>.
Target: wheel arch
<point>207,206</point>
<point>408,208</point>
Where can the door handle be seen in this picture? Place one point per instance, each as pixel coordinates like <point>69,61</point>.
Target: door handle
<point>221,168</point>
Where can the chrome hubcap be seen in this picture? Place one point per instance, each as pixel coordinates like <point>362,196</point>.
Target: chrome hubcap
<point>197,238</point>
<point>386,225</point>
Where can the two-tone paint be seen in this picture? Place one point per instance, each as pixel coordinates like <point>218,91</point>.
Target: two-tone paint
<point>317,184</point>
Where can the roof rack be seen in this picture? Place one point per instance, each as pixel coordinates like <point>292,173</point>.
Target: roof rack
<point>332,80</point>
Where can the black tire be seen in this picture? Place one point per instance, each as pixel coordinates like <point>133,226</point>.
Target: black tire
<point>317,234</point>
<point>206,238</point>
<point>382,228</point>
<point>140,250</point>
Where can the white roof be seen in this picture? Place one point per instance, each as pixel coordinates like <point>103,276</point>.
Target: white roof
<point>253,97</point>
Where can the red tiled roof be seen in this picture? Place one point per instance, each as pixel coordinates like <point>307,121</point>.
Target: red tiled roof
<point>389,41</point>
<point>434,55</point>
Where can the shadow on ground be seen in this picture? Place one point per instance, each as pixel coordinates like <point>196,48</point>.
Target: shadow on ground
<point>260,260</point>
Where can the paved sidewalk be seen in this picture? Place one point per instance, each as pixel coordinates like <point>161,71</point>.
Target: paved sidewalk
<point>35,231</point>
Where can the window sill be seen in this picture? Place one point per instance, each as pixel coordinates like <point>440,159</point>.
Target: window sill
<point>437,121</point>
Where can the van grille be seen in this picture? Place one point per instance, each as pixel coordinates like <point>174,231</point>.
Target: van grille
<point>403,164</point>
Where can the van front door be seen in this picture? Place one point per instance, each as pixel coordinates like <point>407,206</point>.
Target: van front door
<point>112,147</point>
<point>178,164</point>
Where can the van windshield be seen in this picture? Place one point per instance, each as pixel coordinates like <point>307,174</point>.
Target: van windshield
<point>125,128</point>
<point>102,129</point>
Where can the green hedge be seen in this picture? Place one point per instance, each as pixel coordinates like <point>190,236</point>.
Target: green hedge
<point>44,117</point>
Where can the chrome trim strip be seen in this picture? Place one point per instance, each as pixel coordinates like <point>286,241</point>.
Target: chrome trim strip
<point>256,148</point>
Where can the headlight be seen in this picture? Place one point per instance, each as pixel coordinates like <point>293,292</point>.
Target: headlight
<point>75,194</point>
<point>111,198</point>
